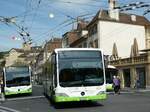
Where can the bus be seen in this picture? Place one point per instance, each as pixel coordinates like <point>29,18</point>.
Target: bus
<point>17,80</point>
<point>110,72</point>
<point>75,74</point>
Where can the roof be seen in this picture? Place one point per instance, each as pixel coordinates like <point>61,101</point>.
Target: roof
<point>123,18</point>
<point>54,40</point>
<point>145,50</point>
<point>17,50</point>
<point>72,31</point>
<point>82,24</point>
<point>76,42</point>
<point>22,55</point>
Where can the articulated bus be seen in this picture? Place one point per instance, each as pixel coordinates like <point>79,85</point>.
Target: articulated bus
<point>17,80</point>
<point>110,72</point>
<point>75,74</point>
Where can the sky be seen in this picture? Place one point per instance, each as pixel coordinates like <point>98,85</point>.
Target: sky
<point>45,19</point>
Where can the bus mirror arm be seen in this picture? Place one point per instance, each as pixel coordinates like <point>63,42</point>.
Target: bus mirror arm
<point>106,63</point>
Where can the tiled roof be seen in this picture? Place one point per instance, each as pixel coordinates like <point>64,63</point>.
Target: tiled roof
<point>123,18</point>
<point>82,25</point>
<point>18,50</point>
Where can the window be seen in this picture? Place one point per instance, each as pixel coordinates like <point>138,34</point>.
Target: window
<point>96,43</point>
<point>93,30</point>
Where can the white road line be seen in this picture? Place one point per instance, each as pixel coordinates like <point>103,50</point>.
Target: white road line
<point>124,92</point>
<point>3,110</point>
<point>6,109</point>
<point>25,98</point>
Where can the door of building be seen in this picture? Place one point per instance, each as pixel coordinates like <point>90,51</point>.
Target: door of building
<point>127,78</point>
<point>141,77</point>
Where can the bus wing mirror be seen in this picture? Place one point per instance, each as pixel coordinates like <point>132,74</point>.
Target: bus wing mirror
<point>53,59</point>
<point>105,61</point>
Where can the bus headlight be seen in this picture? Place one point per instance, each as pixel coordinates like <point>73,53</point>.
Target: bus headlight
<point>61,94</point>
<point>7,91</point>
<point>29,89</point>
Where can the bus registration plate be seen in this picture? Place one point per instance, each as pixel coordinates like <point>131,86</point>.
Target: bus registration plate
<point>82,98</point>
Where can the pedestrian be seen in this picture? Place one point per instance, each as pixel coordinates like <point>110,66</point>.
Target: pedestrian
<point>116,84</point>
<point>137,84</point>
<point>119,82</point>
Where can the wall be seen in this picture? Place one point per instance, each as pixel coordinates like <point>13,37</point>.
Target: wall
<point>122,34</point>
<point>13,56</point>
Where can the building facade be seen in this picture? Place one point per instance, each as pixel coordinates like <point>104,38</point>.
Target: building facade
<point>115,33</point>
<point>43,57</point>
<point>134,71</point>
<point>104,29</point>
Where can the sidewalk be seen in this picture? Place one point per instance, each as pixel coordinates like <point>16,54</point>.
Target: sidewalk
<point>135,90</point>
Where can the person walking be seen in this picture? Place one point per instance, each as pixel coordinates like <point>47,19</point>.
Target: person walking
<point>116,83</point>
<point>119,82</point>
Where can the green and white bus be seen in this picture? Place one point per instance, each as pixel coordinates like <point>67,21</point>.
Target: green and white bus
<point>17,80</point>
<point>75,74</point>
<point>110,72</point>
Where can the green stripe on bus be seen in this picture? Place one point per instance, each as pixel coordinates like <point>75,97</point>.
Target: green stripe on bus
<point>109,87</point>
<point>67,99</point>
<point>18,92</point>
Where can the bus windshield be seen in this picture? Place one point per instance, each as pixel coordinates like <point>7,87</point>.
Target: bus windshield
<point>17,76</point>
<point>80,68</point>
<point>110,72</point>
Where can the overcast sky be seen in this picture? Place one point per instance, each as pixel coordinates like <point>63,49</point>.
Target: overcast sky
<point>44,19</point>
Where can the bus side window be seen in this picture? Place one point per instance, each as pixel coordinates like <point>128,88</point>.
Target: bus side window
<point>3,78</point>
<point>54,71</point>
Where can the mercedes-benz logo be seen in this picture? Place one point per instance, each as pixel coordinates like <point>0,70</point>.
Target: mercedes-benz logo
<point>82,93</point>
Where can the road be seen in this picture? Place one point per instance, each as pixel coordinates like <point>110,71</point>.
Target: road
<point>125,102</point>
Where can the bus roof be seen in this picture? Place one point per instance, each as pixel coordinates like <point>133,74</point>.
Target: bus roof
<point>81,49</point>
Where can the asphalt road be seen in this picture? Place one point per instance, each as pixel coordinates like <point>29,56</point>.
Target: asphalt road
<point>125,102</point>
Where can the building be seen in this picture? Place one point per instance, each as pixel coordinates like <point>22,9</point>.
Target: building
<point>111,26</point>
<point>134,70</point>
<point>114,28</point>
<point>43,56</point>
<point>76,37</point>
<point>121,36</point>
<point>12,58</point>
<point>68,38</point>
<point>26,55</point>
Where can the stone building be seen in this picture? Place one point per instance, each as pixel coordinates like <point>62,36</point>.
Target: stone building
<point>26,55</point>
<point>76,37</point>
<point>121,36</point>
<point>134,71</point>
<point>43,56</point>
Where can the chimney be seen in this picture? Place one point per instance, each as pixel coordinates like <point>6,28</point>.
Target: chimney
<point>113,13</point>
<point>133,18</point>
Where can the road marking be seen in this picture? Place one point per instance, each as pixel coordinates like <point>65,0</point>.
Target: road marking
<point>25,98</point>
<point>37,85</point>
<point>6,109</point>
<point>123,92</point>
<point>3,110</point>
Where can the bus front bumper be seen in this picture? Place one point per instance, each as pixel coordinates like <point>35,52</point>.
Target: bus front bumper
<point>28,91</point>
<point>86,98</point>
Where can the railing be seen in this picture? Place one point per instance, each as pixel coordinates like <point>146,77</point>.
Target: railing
<point>130,61</point>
